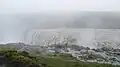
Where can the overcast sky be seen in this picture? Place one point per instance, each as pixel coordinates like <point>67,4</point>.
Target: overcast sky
<point>17,16</point>
<point>22,6</point>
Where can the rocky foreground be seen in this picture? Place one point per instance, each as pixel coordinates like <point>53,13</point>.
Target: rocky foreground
<point>106,55</point>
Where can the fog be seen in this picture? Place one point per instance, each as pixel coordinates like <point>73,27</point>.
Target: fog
<point>17,17</point>
<point>14,26</point>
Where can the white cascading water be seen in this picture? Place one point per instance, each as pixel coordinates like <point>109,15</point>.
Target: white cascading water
<point>84,37</point>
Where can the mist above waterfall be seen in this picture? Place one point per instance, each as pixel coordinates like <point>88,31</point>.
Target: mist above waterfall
<point>13,26</point>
